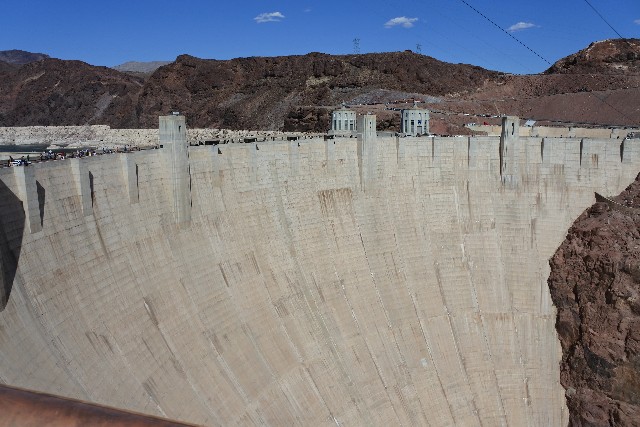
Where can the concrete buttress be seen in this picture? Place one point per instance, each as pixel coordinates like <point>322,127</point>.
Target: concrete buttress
<point>173,137</point>
<point>509,150</point>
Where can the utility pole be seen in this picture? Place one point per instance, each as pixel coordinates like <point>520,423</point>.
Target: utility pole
<point>356,46</point>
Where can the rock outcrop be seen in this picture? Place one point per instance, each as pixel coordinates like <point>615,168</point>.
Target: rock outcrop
<point>615,56</point>
<point>595,285</point>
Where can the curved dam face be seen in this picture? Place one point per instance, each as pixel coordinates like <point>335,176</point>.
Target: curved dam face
<point>370,281</point>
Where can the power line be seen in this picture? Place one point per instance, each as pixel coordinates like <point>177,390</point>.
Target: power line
<point>602,17</point>
<point>620,36</point>
<point>507,33</point>
<point>602,100</point>
<point>483,58</point>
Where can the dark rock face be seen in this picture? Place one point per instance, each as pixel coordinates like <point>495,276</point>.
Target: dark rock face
<point>616,56</point>
<point>56,92</point>
<point>307,119</point>
<point>595,284</point>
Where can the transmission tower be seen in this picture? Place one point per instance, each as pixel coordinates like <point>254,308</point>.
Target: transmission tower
<point>419,49</point>
<point>356,45</point>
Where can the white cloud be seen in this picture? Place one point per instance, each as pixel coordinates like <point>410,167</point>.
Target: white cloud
<point>520,26</point>
<point>269,17</point>
<point>402,21</point>
<point>637,21</point>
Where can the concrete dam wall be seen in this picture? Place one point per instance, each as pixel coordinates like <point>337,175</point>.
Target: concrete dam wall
<point>370,281</point>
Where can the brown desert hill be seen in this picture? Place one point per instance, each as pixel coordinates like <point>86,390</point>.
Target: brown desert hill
<point>615,56</point>
<point>595,285</point>
<point>598,85</point>
<point>262,92</point>
<point>57,92</point>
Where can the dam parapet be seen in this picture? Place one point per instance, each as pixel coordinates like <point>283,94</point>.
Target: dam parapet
<point>511,159</point>
<point>378,280</point>
<point>562,131</point>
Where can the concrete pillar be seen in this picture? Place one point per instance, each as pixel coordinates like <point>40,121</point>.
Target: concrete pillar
<point>173,136</point>
<point>130,172</point>
<point>509,138</point>
<point>253,158</point>
<point>83,180</point>
<point>367,127</point>
<point>330,154</point>
<point>28,192</point>
<point>294,157</point>
<point>366,148</point>
<point>400,151</point>
<point>216,166</point>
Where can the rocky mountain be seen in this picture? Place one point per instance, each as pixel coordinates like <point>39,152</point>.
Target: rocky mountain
<point>262,92</point>
<point>296,93</point>
<point>595,284</point>
<point>20,57</point>
<point>56,92</point>
<point>616,56</point>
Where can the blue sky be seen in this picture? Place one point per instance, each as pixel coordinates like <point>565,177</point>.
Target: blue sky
<point>115,31</point>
